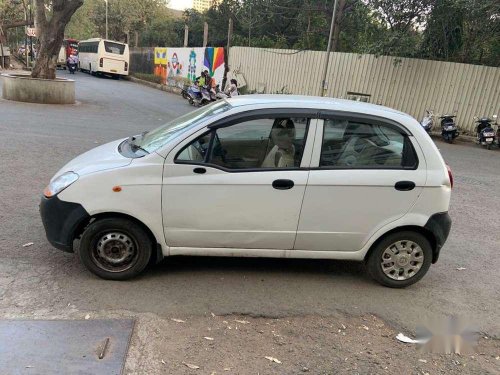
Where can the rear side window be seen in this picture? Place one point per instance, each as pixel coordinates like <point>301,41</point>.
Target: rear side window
<point>363,145</point>
<point>116,48</point>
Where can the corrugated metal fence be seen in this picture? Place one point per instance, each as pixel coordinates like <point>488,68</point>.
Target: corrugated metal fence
<point>142,60</point>
<point>409,85</point>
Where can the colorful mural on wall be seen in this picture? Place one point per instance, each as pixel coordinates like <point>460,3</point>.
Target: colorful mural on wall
<point>190,62</point>
<point>161,63</point>
<point>214,59</point>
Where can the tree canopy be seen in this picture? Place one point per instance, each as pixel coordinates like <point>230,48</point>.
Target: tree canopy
<point>466,31</point>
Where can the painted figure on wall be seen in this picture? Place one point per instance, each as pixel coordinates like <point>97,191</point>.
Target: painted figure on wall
<point>160,68</point>
<point>192,66</point>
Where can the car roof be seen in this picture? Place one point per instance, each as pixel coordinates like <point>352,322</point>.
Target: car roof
<point>326,103</point>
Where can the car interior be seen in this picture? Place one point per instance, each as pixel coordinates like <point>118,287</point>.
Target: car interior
<point>261,143</point>
<point>353,144</point>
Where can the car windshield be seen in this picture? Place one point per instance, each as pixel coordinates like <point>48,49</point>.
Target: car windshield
<point>159,137</point>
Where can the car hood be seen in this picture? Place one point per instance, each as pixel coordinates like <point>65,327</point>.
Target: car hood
<point>98,159</point>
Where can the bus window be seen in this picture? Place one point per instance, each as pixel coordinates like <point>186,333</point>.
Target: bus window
<point>116,48</point>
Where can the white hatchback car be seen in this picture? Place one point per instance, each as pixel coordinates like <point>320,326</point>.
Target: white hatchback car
<point>259,176</point>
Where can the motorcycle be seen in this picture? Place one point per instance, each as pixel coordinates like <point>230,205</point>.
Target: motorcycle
<point>194,95</point>
<point>485,134</point>
<point>449,130</point>
<point>72,68</point>
<point>184,92</point>
<point>428,121</point>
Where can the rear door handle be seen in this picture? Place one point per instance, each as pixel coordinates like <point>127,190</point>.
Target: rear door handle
<point>283,184</point>
<point>404,185</point>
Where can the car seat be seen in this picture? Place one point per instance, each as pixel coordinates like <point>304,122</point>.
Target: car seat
<point>281,151</point>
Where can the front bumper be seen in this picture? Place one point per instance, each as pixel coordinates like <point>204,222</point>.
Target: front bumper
<point>439,225</point>
<point>61,220</point>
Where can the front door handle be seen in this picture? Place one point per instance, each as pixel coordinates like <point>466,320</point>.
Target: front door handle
<point>199,170</point>
<point>283,184</point>
<point>404,185</point>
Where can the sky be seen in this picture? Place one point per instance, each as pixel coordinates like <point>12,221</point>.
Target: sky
<point>180,4</point>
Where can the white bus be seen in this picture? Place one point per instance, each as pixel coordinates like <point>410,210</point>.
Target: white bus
<point>103,56</point>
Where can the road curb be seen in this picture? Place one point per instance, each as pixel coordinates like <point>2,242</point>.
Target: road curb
<point>462,138</point>
<point>158,86</point>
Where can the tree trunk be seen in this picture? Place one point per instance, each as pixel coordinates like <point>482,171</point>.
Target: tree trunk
<point>50,43</point>
<point>51,34</point>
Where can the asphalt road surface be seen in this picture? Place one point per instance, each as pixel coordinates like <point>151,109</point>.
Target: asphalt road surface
<point>38,280</point>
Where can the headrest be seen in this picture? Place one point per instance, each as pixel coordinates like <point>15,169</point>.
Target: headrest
<point>283,133</point>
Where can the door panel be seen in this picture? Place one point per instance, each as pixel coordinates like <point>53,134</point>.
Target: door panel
<point>344,203</point>
<point>235,202</point>
<point>343,208</point>
<point>223,209</point>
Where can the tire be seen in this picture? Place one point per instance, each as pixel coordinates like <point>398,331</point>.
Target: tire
<point>114,239</point>
<point>387,246</point>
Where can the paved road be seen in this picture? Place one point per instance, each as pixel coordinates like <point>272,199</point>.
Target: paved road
<point>36,140</point>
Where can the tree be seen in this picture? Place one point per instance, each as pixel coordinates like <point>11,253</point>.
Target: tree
<point>51,18</point>
<point>464,31</point>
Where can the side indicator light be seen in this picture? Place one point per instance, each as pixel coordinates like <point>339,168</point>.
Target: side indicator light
<point>117,189</point>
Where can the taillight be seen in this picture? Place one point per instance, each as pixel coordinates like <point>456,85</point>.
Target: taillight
<point>101,62</point>
<point>450,175</point>
<point>126,66</point>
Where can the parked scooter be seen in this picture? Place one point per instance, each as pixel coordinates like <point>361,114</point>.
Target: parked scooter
<point>449,130</point>
<point>72,68</point>
<point>428,121</point>
<point>194,95</point>
<point>485,134</point>
<point>184,91</point>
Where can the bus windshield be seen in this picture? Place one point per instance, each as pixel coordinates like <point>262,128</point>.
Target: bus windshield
<point>116,48</point>
<point>159,137</point>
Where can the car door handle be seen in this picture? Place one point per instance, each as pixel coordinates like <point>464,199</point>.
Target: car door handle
<point>199,170</point>
<point>283,184</point>
<point>404,185</point>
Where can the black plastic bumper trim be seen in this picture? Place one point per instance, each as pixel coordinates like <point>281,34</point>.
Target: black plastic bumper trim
<point>60,220</point>
<point>439,225</point>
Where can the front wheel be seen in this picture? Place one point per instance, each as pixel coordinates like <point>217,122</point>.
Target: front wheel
<point>115,248</point>
<point>400,259</point>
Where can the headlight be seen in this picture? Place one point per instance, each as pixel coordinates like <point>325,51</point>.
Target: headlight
<point>60,183</point>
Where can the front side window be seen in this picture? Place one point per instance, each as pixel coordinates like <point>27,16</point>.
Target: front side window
<point>254,144</point>
<point>364,145</point>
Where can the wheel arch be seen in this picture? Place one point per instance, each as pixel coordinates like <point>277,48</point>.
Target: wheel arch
<point>412,228</point>
<point>157,254</point>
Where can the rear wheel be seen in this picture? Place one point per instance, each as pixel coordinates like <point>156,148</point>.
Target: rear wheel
<point>400,259</point>
<point>115,248</point>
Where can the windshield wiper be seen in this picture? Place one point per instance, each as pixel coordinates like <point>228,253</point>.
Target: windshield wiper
<point>134,146</point>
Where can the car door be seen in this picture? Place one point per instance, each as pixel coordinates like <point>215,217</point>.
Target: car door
<point>366,174</point>
<point>220,189</point>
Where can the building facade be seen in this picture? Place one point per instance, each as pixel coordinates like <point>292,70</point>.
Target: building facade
<point>203,5</point>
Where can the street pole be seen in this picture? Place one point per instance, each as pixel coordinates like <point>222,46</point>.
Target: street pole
<point>186,35</point>
<point>229,35</point>
<point>328,49</point>
<point>31,38</point>
<point>205,34</point>
<point>107,19</point>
